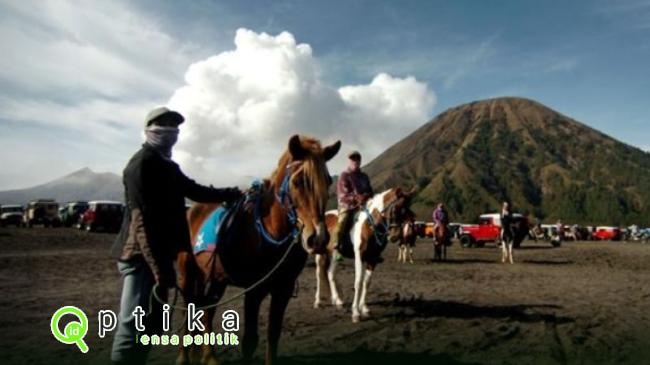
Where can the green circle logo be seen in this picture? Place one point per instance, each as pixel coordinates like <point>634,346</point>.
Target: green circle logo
<point>75,331</point>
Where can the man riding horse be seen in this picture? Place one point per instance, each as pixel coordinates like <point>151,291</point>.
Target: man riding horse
<point>353,189</point>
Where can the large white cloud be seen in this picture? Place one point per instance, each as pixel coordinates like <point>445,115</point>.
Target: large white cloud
<point>242,106</point>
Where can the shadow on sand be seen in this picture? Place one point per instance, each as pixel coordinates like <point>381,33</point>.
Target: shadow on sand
<point>423,308</point>
<point>361,356</point>
<point>463,261</point>
<point>547,262</point>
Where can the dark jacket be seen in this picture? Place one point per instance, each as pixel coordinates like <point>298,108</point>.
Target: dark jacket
<point>155,226</point>
<point>350,185</point>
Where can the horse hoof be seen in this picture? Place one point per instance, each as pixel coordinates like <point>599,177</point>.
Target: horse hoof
<point>355,318</point>
<point>316,305</point>
<point>365,313</point>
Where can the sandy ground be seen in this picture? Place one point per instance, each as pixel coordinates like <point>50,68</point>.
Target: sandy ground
<point>584,303</point>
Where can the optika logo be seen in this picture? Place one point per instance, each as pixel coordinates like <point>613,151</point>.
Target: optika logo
<point>75,330</point>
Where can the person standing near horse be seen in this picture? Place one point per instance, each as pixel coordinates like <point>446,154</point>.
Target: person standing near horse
<point>353,189</point>
<point>154,230</point>
<point>507,234</point>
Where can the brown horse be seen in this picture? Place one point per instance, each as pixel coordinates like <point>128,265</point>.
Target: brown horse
<point>263,258</point>
<point>441,239</point>
<point>407,239</point>
<point>377,223</point>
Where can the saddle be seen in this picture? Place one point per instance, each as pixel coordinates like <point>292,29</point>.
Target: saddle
<point>215,228</point>
<point>372,254</point>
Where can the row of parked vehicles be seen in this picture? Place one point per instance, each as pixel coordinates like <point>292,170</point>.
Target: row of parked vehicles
<point>97,215</point>
<point>488,230</point>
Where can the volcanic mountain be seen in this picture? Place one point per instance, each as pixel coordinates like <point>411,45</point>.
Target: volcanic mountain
<point>476,155</point>
<point>83,184</point>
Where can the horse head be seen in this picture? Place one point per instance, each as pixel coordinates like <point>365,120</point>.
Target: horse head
<point>393,205</point>
<point>304,175</point>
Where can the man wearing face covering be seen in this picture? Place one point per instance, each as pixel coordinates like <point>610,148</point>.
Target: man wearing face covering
<point>154,230</point>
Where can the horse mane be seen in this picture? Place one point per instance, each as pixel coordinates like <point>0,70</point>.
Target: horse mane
<point>315,178</point>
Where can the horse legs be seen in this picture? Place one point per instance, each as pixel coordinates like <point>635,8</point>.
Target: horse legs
<point>321,278</point>
<point>504,251</point>
<point>279,301</point>
<point>510,252</point>
<point>208,357</point>
<point>365,312</point>
<point>399,253</point>
<point>331,278</point>
<point>188,280</point>
<point>410,255</point>
<point>252,302</point>
<point>444,252</point>
<point>358,277</point>
<point>437,251</point>
<point>216,292</point>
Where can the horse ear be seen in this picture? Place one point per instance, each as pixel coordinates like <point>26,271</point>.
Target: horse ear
<point>295,148</point>
<point>331,150</point>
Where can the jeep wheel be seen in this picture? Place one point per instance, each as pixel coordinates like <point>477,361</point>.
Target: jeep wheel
<point>466,241</point>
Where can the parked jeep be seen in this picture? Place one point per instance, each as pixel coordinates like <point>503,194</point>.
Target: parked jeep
<point>487,230</point>
<point>604,233</point>
<point>42,211</point>
<point>11,215</point>
<point>71,212</point>
<point>102,215</point>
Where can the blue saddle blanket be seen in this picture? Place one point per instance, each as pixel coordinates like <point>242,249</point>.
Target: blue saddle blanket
<point>206,238</point>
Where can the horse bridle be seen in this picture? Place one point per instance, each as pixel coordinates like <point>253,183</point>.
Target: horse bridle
<point>387,225</point>
<point>284,198</point>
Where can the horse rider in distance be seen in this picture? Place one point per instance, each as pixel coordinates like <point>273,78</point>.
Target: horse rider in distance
<point>440,217</point>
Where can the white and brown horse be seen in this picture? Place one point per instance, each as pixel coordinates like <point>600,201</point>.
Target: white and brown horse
<point>291,207</point>
<point>407,239</point>
<point>377,223</point>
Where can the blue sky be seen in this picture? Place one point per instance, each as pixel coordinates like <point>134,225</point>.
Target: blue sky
<point>99,74</point>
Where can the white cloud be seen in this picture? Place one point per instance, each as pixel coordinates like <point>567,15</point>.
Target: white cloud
<point>243,105</point>
<point>98,48</point>
<point>88,72</point>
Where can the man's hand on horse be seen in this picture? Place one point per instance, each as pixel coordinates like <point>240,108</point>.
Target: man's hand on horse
<point>233,194</point>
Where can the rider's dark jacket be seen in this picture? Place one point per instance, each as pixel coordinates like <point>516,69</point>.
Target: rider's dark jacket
<point>155,225</point>
<point>349,186</point>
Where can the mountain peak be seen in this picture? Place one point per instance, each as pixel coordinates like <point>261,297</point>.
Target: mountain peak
<point>83,184</point>
<point>475,155</point>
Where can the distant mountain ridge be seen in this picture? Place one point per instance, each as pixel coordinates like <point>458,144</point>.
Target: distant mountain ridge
<point>83,184</point>
<point>476,155</point>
